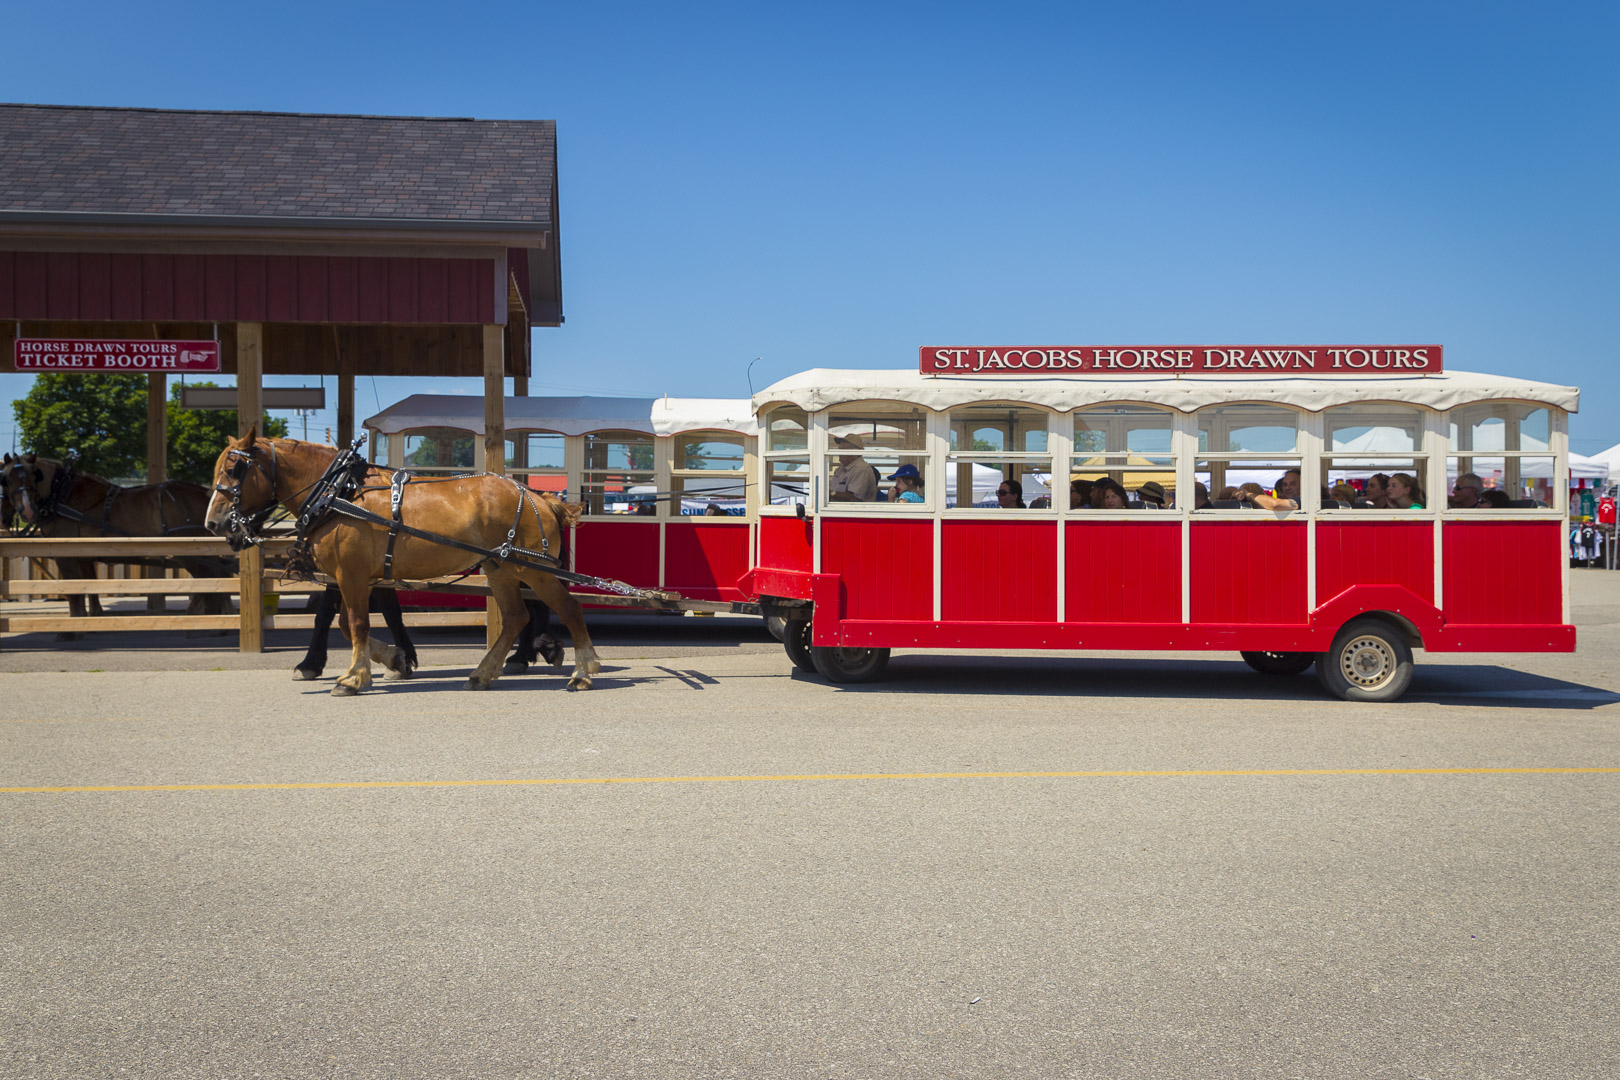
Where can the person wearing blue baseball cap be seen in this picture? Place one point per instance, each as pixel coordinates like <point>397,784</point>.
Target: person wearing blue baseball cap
<point>907,485</point>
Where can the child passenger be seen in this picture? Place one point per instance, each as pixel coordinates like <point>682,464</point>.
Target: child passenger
<point>907,485</point>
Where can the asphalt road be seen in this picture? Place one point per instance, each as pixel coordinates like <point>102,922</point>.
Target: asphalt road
<point>711,867</point>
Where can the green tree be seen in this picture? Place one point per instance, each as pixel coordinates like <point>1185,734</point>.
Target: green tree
<point>103,418</point>
<point>196,436</point>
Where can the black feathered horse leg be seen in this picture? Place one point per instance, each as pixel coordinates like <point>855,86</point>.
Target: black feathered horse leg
<point>383,601</point>
<point>535,640</point>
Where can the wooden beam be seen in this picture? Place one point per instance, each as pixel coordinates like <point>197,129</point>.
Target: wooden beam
<point>157,449</point>
<point>249,397</point>
<point>494,436</point>
<point>345,385</point>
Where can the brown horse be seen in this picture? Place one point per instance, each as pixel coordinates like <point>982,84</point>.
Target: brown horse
<point>253,474</point>
<point>57,501</point>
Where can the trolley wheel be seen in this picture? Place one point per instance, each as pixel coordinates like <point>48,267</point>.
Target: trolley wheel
<point>796,640</point>
<point>1369,661</point>
<point>840,665</point>
<point>1279,663</point>
<point>777,627</point>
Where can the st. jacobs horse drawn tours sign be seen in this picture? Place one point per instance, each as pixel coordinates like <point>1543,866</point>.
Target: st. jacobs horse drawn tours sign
<point>1182,360</point>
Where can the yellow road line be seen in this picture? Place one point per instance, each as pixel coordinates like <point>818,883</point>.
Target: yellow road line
<point>557,781</point>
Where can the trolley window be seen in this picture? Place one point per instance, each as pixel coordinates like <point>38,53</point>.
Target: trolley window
<point>867,445</point>
<point>996,448</point>
<point>1365,446</point>
<point>1249,447</point>
<point>537,458</point>
<point>618,476</point>
<point>786,459</point>
<point>1122,457</point>
<point>1501,458</point>
<point>706,474</point>
<point>438,450</point>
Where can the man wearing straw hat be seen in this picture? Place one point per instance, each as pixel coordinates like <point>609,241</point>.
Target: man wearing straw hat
<point>854,480</point>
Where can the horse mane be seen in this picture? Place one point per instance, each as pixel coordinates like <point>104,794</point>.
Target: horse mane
<point>567,515</point>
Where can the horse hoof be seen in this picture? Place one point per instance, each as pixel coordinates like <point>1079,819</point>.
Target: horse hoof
<point>579,684</point>
<point>344,690</point>
<point>301,674</point>
<point>515,667</point>
<point>474,684</point>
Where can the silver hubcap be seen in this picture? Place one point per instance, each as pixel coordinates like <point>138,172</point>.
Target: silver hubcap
<point>1367,662</point>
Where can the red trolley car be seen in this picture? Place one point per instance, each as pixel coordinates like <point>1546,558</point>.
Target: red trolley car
<point>1335,579</point>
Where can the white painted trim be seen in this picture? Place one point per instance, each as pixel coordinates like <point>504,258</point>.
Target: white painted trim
<point>1184,447</point>
<point>1310,442</point>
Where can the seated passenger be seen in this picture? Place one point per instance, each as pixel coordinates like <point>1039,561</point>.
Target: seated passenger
<point>1079,494</point>
<point>1040,503</point>
<point>854,480</point>
<point>1110,494</point>
<point>907,485</point>
<point>1152,495</point>
<point>1466,491</point>
<point>1404,492</point>
<point>1200,496</point>
<point>1252,494</point>
<point>1377,491</point>
<point>1287,487</point>
<point>1344,494</point>
<point>1230,493</point>
<point>1494,499</point>
<point>1010,495</point>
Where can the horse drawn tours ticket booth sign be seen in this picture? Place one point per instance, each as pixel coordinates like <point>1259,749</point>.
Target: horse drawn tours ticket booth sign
<point>253,244</point>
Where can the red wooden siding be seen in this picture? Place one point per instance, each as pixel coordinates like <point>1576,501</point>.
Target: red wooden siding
<point>626,550</point>
<point>244,288</point>
<point>1504,573</point>
<point>999,571</point>
<point>784,543</point>
<point>1374,553</point>
<point>1123,571</point>
<point>705,558</point>
<point>1248,572</point>
<point>887,567</point>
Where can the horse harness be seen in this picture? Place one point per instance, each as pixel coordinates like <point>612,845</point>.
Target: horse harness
<point>55,504</point>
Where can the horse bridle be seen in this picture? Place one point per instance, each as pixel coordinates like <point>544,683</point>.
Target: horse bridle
<point>24,485</point>
<point>242,528</point>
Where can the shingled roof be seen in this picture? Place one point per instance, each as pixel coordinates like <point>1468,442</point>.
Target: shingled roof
<point>255,165</point>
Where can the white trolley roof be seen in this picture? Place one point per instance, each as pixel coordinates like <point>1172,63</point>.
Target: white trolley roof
<point>570,415</point>
<point>820,388</point>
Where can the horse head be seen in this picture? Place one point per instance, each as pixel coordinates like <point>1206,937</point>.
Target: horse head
<point>25,482</point>
<point>244,488</point>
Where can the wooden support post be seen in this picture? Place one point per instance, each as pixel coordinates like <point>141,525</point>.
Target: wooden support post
<point>249,407</point>
<point>494,436</point>
<point>157,455</point>
<point>345,404</point>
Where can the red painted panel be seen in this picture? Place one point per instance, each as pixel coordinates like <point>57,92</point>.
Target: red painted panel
<point>157,286</point>
<point>251,273</point>
<point>8,282</point>
<point>1504,572</point>
<point>61,285</point>
<point>32,297</point>
<point>127,301</point>
<point>1374,553</point>
<point>627,551</point>
<point>373,290</point>
<point>313,302</point>
<point>784,543</point>
<point>343,289</point>
<point>402,306</point>
<point>190,295</point>
<point>1123,571</point>
<point>999,571</point>
<point>95,287</point>
<point>430,291</point>
<point>281,288</point>
<point>461,290</point>
<point>219,288</point>
<point>887,566</point>
<point>705,557</point>
<point>1248,572</point>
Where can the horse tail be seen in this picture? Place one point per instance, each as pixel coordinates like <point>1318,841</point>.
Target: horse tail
<point>566,515</point>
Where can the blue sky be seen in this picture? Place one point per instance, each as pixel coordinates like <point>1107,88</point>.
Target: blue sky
<point>836,184</point>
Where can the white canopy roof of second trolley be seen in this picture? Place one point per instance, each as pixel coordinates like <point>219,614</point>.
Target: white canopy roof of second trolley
<point>821,388</point>
<point>570,415</point>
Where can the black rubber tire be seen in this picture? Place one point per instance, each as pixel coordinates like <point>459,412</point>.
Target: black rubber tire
<point>777,627</point>
<point>796,640</point>
<point>1279,663</point>
<point>839,665</point>
<point>1369,661</point>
